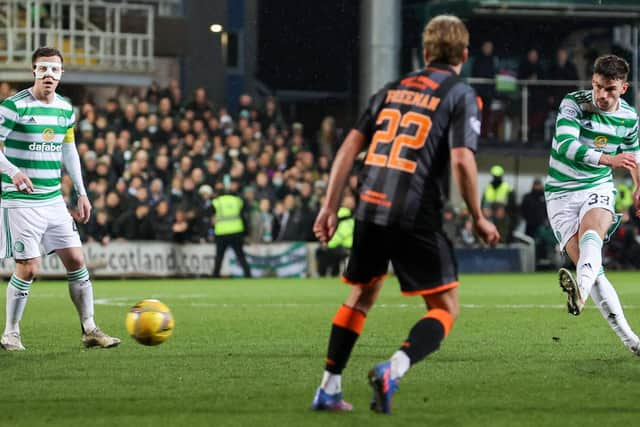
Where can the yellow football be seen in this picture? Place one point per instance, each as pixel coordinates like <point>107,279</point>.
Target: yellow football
<point>150,322</point>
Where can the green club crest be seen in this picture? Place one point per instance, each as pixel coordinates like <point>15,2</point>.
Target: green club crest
<point>18,247</point>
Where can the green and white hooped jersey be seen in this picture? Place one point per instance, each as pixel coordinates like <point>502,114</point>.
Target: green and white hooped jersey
<point>583,130</point>
<point>33,133</point>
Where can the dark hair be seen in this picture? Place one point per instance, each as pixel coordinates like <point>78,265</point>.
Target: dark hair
<point>611,67</point>
<point>46,51</point>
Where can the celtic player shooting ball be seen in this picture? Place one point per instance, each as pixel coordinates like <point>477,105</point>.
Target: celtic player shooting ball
<point>596,132</point>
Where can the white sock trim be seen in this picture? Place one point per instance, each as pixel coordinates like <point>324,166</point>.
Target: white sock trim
<point>15,304</point>
<point>606,299</point>
<point>81,293</point>
<point>589,263</point>
<point>331,383</point>
<point>400,364</point>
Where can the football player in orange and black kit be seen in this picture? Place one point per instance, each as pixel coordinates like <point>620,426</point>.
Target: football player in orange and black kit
<point>416,130</point>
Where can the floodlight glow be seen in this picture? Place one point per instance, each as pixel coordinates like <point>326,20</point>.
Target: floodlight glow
<point>215,28</point>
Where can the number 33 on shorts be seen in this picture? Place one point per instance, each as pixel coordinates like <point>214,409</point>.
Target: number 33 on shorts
<point>599,199</point>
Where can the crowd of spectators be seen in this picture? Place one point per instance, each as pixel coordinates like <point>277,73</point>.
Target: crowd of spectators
<point>501,101</point>
<point>153,161</point>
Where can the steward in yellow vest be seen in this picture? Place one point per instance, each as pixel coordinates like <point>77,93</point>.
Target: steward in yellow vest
<point>229,230</point>
<point>343,237</point>
<point>228,211</point>
<point>497,191</point>
<point>500,193</point>
<point>337,249</point>
<point>624,197</point>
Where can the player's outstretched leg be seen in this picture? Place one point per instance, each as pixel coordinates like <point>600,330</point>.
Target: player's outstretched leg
<point>17,294</point>
<point>589,263</point>
<point>575,302</point>
<point>81,292</point>
<point>345,330</point>
<point>424,338</point>
<point>606,299</point>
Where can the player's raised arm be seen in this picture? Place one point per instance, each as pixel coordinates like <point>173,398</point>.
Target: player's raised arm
<point>629,157</point>
<point>566,143</point>
<point>631,146</point>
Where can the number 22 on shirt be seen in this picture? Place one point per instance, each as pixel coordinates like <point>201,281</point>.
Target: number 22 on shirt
<point>397,134</point>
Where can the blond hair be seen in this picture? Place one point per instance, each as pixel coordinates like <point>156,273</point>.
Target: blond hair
<point>445,38</point>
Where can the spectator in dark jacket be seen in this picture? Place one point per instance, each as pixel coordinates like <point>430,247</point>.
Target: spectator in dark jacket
<point>563,69</point>
<point>531,69</point>
<point>182,232</point>
<point>485,66</point>
<point>533,208</point>
<point>136,224</point>
<point>162,221</point>
<point>98,229</point>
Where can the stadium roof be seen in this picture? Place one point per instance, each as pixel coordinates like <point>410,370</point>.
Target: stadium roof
<point>620,10</point>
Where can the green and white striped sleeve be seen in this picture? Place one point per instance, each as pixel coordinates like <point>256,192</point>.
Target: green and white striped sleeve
<point>567,137</point>
<point>8,118</point>
<point>630,142</point>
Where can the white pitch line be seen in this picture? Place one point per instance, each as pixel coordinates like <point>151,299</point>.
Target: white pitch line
<point>129,300</point>
<point>126,301</point>
<point>469,306</point>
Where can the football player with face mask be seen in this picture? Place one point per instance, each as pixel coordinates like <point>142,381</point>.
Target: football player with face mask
<point>37,131</point>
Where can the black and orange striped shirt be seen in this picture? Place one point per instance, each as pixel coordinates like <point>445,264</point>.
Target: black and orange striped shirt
<point>412,124</point>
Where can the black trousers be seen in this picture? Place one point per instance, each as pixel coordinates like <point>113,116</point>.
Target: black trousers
<point>235,242</point>
<point>329,260</point>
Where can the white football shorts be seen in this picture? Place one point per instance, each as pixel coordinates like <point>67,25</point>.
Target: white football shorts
<point>566,211</point>
<point>25,230</point>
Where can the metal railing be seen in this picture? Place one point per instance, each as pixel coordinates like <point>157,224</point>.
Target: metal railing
<point>89,34</point>
<point>162,7</point>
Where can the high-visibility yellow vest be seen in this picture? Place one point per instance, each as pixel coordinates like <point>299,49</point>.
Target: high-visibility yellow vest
<point>344,232</point>
<point>497,195</point>
<point>228,215</point>
<point>624,198</point>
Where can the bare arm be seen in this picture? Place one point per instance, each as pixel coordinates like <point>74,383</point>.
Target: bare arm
<point>325,224</point>
<point>620,160</point>
<point>341,168</point>
<point>465,172</point>
<point>635,176</point>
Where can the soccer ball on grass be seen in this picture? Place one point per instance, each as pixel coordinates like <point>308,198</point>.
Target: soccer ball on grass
<point>150,322</point>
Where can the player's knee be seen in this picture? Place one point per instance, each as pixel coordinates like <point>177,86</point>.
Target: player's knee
<point>362,298</point>
<point>444,302</point>
<point>75,262</point>
<point>454,311</point>
<point>27,269</point>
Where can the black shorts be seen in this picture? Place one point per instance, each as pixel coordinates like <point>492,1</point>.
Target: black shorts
<point>424,262</point>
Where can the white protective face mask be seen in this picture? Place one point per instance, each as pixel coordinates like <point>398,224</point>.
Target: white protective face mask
<point>53,69</point>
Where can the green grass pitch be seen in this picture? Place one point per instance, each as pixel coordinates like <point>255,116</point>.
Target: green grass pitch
<point>251,353</point>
